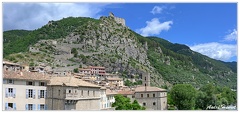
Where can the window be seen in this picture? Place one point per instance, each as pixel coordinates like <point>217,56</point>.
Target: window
<point>94,93</point>
<point>141,95</point>
<point>69,91</point>
<point>147,95</point>
<point>41,93</point>
<point>42,107</point>
<point>10,81</point>
<point>154,103</point>
<point>144,104</point>
<point>30,83</point>
<point>41,83</point>
<point>30,93</point>
<point>30,106</point>
<point>59,92</point>
<point>82,93</point>
<point>153,95</point>
<point>88,93</point>
<point>10,106</point>
<point>10,92</point>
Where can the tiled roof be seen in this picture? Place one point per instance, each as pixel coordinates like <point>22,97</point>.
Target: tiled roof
<point>70,81</point>
<point>25,75</point>
<point>114,78</point>
<point>142,89</point>
<point>111,92</point>
<point>84,69</point>
<point>126,92</point>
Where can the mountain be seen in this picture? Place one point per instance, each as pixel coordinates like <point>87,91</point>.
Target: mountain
<point>75,42</point>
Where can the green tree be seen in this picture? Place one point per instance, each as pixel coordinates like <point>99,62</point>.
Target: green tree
<point>184,96</point>
<point>124,103</point>
<point>128,83</point>
<point>210,98</point>
<point>201,100</point>
<point>229,95</point>
<point>75,70</point>
<point>74,51</point>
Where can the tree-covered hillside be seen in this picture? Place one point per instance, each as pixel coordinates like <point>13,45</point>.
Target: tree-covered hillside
<point>106,43</point>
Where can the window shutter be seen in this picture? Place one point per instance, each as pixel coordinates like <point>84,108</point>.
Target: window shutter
<point>45,107</point>
<point>45,94</point>
<point>34,107</point>
<point>38,94</point>
<point>6,92</point>
<point>12,81</point>
<point>27,93</point>
<point>38,107</point>
<point>33,93</point>
<point>26,106</point>
<point>4,81</point>
<point>6,106</point>
<point>14,92</point>
<point>14,106</point>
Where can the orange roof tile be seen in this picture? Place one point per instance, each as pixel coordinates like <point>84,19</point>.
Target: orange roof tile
<point>70,81</point>
<point>126,92</point>
<point>25,75</point>
<point>111,92</point>
<point>149,89</point>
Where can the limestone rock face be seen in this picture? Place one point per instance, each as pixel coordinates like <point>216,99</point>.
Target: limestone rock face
<point>106,43</point>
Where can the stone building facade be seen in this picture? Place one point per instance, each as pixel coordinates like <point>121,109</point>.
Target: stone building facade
<point>152,98</point>
<point>70,93</point>
<point>24,90</point>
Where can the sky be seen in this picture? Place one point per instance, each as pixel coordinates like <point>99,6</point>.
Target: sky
<point>207,28</point>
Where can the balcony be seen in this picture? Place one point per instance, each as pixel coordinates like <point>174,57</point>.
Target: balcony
<point>72,95</point>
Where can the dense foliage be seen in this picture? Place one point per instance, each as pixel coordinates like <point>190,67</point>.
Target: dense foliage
<point>124,103</point>
<point>19,41</point>
<point>184,95</point>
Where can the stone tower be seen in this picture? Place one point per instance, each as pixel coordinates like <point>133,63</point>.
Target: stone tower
<point>146,80</point>
<point>111,14</point>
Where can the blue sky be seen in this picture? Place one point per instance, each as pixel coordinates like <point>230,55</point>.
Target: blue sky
<point>208,28</point>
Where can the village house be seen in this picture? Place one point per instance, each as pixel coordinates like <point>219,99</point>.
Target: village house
<point>152,98</point>
<point>115,82</point>
<point>95,70</point>
<point>9,66</point>
<point>24,90</point>
<point>70,93</point>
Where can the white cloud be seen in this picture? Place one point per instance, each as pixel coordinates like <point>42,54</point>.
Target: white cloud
<point>216,50</point>
<point>34,15</point>
<point>232,36</point>
<point>154,27</point>
<point>157,10</point>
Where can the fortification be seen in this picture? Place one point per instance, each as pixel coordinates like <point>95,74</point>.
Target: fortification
<point>117,19</point>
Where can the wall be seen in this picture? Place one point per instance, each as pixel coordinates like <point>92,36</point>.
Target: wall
<point>159,99</point>
<point>91,104</point>
<point>20,99</point>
